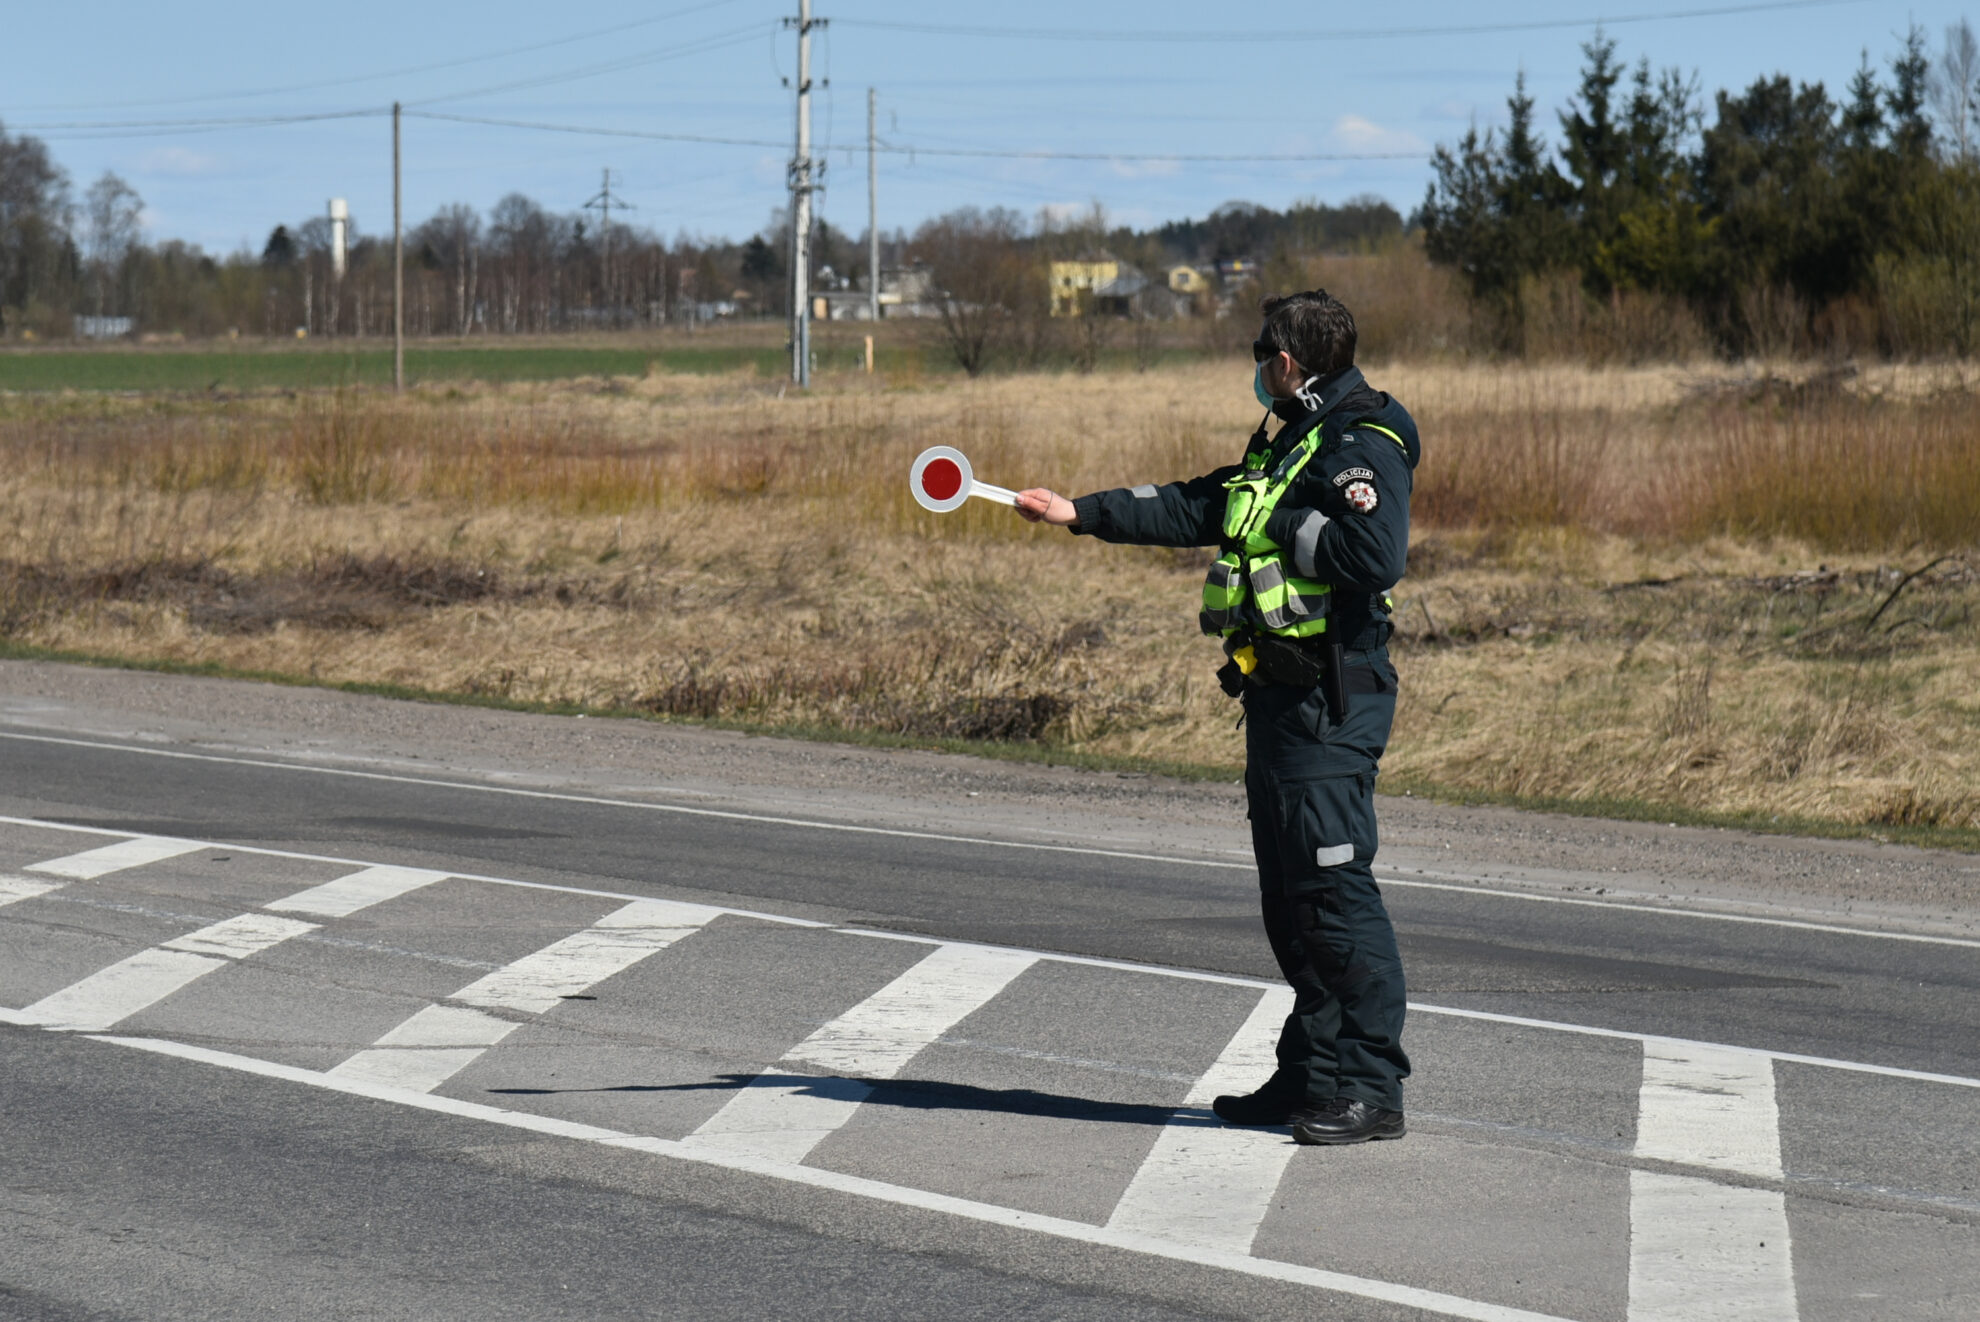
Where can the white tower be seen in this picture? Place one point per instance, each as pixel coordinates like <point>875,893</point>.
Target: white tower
<point>340,219</point>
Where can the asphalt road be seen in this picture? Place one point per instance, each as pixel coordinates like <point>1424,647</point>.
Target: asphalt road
<point>1604,1088</point>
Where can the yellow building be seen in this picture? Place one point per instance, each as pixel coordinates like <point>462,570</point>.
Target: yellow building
<point>1071,280</point>
<point>1188,280</point>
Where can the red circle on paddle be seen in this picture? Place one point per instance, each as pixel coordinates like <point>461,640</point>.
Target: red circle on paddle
<point>942,479</point>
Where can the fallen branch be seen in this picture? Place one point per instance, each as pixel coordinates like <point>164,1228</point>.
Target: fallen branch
<point>1904,583</point>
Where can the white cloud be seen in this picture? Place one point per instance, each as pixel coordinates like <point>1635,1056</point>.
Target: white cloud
<point>178,161</point>
<point>1355,133</point>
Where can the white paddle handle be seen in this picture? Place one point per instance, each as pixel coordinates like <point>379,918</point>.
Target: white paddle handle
<point>998,494</point>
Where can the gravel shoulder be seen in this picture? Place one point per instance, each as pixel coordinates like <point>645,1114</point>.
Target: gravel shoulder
<point>1863,883</point>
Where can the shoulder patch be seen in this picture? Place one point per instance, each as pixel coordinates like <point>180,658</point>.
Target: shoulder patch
<point>1361,494</point>
<point>1347,475</point>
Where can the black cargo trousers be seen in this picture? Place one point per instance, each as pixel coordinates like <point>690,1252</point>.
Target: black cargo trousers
<point>1310,783</point>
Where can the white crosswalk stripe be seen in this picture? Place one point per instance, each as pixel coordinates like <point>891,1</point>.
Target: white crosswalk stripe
<point>15,889</point>
<point>783,1117</point>
<point>114,994</point>
<point>102,861</point>
<point>1205,1182</point>
<point>428,1049</point>
<point>1699,1248</point>
<point>441,1040</point>
<point>360,890</point>
<point>615,942</point>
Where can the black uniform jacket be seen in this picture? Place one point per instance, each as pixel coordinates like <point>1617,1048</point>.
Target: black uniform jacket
<point>1345,520</point>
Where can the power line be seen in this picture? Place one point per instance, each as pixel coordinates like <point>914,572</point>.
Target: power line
<point>408,71</point>
<point>595,131</point>
<point>229,121</point>
<point>148,128</point>
<point>98,129</point>
<point>910,149</point>
<point>1229,35</point>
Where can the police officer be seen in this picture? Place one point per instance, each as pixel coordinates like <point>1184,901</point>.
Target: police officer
<point>1312,527</point>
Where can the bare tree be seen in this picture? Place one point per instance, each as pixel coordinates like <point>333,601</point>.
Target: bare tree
<point>111,209</point>
<point>979,272</point>
<point>1955,86</point>
<point>453,240</point>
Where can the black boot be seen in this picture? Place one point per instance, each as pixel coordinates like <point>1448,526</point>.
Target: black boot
<point>1268,1106</point>
<point>1347,1120</point>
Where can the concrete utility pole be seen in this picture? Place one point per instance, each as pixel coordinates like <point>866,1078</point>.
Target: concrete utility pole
<point>398,267</point>
<point>802,186</point>
<point>872,212</point>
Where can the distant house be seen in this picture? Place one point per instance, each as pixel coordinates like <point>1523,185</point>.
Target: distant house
<point>905,291</point>
<point>1101,284</point>
<point>104,328</point>
<point>1189,280</point>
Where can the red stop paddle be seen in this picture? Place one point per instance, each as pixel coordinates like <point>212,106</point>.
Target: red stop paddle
<point>941,481</point>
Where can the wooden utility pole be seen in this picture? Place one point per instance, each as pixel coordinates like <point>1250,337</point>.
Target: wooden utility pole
<point>802,185</point>
<point>398,266</point>
<point>872,215</point>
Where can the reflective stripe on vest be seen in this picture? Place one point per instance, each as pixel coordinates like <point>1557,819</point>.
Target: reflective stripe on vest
<point>1263,591</point>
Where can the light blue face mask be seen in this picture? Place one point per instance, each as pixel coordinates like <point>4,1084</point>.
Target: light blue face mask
<point>1265,398</point>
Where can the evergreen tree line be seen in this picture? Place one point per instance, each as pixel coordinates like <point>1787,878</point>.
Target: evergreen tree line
<point>1782,220</point>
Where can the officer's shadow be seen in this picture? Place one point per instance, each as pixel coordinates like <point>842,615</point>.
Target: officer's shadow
<point>918,1095</point>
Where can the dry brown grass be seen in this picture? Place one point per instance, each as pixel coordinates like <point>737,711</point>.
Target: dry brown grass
<point>1615,590</point>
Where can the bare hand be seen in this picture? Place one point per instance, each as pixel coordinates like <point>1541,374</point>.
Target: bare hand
<point>1038,505</point>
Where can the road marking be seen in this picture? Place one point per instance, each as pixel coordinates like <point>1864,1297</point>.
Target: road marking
<point>1697,1248</point>
<point>441,1040</point>
<point>1362,1287</point>
<point>1205,1182</point>
<point>1387,878</point>
<point>563,968</point>
<point>1700,1250</point>
<point>1654,906</point>
<point>360,890</point>
<point>1163,970</point>
<point>781,1117</point>
<point>1709,1106</point>
<point>428,1049</point>
<point>15,889</point>
<point>93,863</point>
<point>1621,1034</point>
<point>113,994</point>
<point>260,852</point>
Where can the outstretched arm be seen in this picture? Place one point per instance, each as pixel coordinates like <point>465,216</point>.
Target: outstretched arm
<point>1179,514</point>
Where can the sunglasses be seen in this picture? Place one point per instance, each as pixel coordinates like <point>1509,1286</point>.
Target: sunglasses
<point>1260,351</point>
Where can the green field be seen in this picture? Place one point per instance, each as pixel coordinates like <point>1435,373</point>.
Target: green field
<point>303,368</point>
<point>911,349</point>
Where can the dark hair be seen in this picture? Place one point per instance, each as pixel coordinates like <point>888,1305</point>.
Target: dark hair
<point>1314,327</point>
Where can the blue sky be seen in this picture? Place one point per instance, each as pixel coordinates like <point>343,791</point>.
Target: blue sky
<point>1379,79</point>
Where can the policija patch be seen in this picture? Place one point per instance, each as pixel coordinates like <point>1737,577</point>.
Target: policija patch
<point>1361,495</point>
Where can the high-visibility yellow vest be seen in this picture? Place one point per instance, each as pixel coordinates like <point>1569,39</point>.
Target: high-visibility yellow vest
<point>1260,591</point>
